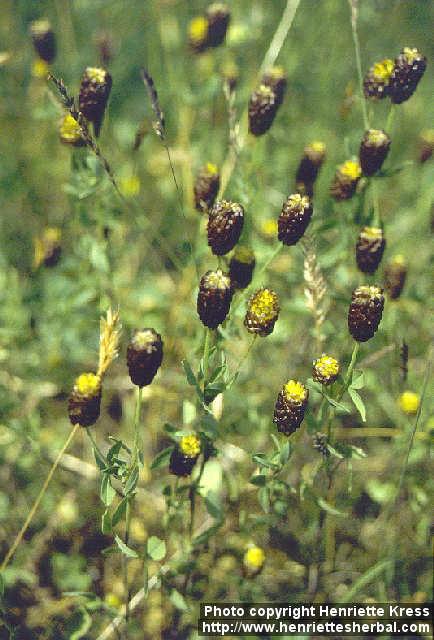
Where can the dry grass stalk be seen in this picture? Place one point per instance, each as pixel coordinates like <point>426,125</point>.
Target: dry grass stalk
<point>315,288</point>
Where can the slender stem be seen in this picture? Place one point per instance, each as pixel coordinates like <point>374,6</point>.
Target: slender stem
<point>193,491</point>
<point>349,370</point>
<point>94,444</point>
<point>135,456</point>
<point>206,346</point>
<point>243,359</point>
<point>376,203</point>
<point>354,12</point>
<point>390,119</point>
<point>38,499</point>
<point>265,266</point>
<point>125,563</point>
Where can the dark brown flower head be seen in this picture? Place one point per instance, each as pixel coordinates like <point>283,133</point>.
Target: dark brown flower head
<point>206,187</point>
<point>376,82</point>
<point>325,370</point>
<point>365,311</point>
<point>263,107</point>
<point>225,224</point>
<point>214,298</point>
<point>290,407</point>
<point>262,312</point>
<point>241,267</point>
<point>294,219</point>
<point>374,148</point>
<point>184,456</point>
<point>276,79</point>
<point>85,400</point>
<point>44,40</point>
<point>94,93</point>
<point>144,356</point>
<point>345,182</point>
<point>369,249</point>
<point>395,276</point>
<point>409,68</point>
<point>48,247</point>
<point>310,164</point>
<point>218,16</point>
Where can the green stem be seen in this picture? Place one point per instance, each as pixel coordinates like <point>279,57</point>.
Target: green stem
<point>135,456</point>
<point>349,370</point>
<point>390,118</point>
<point>358,61</point>
<point>242,361</point>
<point>193,491</point>
<point>94,444</point>
<point>125,562</point>
<point>376,203</point>
<point>206,347</point>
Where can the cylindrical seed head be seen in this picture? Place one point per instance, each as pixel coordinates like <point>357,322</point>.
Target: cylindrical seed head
<point>325,370</point>
<point>365,311</point>
<point>85,400</point>
<point>370,248</point>
<point>409,68</point>
<point>95,87</point>
<point>310,164</point>
<point>294,219</point>
<point>374,148</point>
<point>263,107</point>
<point>206,187</point>
<point>144,356</point>
<point>218,16</point>
<point>345,181</point>
<point>241,267</point>
<point>395,276</point>
<point>214,298</point>
<point>290,407</point>
<point>276,79</point>
<point>225,224</point>
<point>44,40</point>
<point>184,456</point>
<point>262,312</point>
<point>376,82</point>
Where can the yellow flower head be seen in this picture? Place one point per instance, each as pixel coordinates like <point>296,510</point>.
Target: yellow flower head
<point>411,54</point>
<point>295,392</point>
<point>382,70</point>
<point>40,69</point>
<point>217,280</point>
<point>87,384</point>
<point>317,147</point>
<point>409,402</point>
<point>143,339</point>
<point>264,304</point>
<point>211,169</point>
<point>190,446</point>
<point>350,169</point>
<point>371,233</point>
<point>70,132</point>
<point>269,227</point>
<point>254,559</point>
<point>377,137</point>
<point>129,186</point>
<point>198,30</point>
<point>398,260</point>
<point>325,369</point>
<point>96,74</point>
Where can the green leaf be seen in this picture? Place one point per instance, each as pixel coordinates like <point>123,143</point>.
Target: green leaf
<point>329,508</point>
<point>156,548</point>
<point>120,511</point>
<point>336,404</point>
<point>262,461</point>
<point>130,553</point>
<point>358,380</point>
<point>191,378</point>
<point>162,458</point>
<point>213,390</point>
<point>107,492</point>
<point>99,459</point>
<point>258,480</point>
<point>178,600</point>
<point>2,586</point>
<point>285,452</point>
<point>358,403</point>
<point>106,522</point>
<point>213,505</point>
<point>81,624</point>
<point>206,535</point>
<point>264,499</point>
<point>132,480</point>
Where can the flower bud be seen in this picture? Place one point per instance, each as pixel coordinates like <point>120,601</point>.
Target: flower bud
<point>144,356</point>
<point>94,93</point>
<point>409,402</point>
<point>253,561</point>
<point>262,312</point>
<point>310,164</point>
<point>85,400</point>
<point>225,224</point>
<point>206,187</point>
<point>374,148</point>
<point>263,107</point>
<point>365,311</point>
<point>70,132</point>
<point>395,276</point>
<point>241,267</point>
<point>290,407</point>
<point>214,298</point>
<point>325,370</point>
<point>409,68</point>
<point>369,249</point>
<point>345,181</point>
<point>184,456</point>
<point>294,219</point>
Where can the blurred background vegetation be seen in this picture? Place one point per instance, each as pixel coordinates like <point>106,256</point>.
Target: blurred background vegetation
<point>132,252</point>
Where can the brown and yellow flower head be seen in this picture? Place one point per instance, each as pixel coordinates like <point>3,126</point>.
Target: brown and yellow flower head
<point>345,181</point>
<point>214,298</point>
<point>376,82</point>
<point>365,312</point>
<point>48,247</point>
<point>198,34</point>
<point>206,187</point>
<point>262,312</point>
<point>85,400</point>
<point>95,87</point>
<point>44,40</point>
<point>263,106</point>
<point>225,223</point>
<point>409,402</point>
<point>241,267</point>
<point>253,561</point>
<point>395,276</point>
<point>185,455</point>
<point>409,68</point>
<point>310,164</point>
<point>290,407</point>
<point>374,149</point>
<point>369,249</point>
<point>325,370</point>
<point>144,356</point>
<point>70,132</point>
<point>294,218</point>
<point>218,16</point>
<point>276,79</point>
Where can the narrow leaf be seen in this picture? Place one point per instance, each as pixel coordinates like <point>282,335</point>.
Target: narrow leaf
<point>130,553</point>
